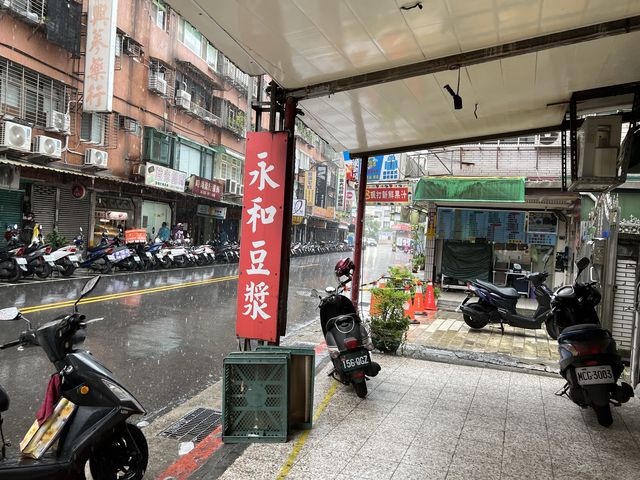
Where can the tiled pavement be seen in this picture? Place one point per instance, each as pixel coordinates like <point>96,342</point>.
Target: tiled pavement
<point>447,330</point>
<point>426,420</point>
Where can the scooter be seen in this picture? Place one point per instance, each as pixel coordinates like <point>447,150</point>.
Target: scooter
<point>348,341</point>
<point>36,255</point>
<point>97,430</point>
<point>498,305</point>
<point>65,260</point>
<point>96,258</point>
<point>11,267</point>
<point>589,360</point>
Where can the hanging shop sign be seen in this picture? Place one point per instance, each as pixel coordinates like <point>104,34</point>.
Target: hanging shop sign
<point>117,215</point>
<point>215,212</point>
<point>78,191</point>
<point>100,55</point>
<point>329,212</point>
<point>401,227</point>
<point>298,211</point>
<point>163,177</point>
<point>382,168</point>
<point>431,225</point>
<point>262,223</point>
<point>212,189</point>
<point>388,194</point>
<point>542,228</point>
<point>342,187</point>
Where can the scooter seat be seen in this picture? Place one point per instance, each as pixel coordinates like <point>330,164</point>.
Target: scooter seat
<point>503,292</point>
<point>584,329</point>
<point>4,400</point>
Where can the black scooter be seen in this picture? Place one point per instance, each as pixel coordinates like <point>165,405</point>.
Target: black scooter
<point>589,360</point>
<point>347,340</point>
<point>498,305</point>
<point>97,431</point>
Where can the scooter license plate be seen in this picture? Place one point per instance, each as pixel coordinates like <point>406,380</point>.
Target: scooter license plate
<point>159,255</point>
<point>47,258</point>
<point>136,258</point>
<point>111,258</point>
<point>594,375</point>
<point>21,261</point>
<point>73,258</point>
<point>354,361</point>
<point>149,254</point>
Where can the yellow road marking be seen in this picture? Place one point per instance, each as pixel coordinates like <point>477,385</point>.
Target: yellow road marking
<point>286,468</point>
<point>114,296</point>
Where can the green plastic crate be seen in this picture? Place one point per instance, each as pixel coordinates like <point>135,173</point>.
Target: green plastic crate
<point>302,372</point>
<point>255,397</point>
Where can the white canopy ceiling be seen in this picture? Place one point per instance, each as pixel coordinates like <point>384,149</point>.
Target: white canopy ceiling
<point>304,42</point>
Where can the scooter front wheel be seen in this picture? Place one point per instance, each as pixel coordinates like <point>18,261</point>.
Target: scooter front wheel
<point>361,389</point>
<point>124,455</point>
<point>603,413</point>
<point>476,324</point>
<point>552,329</point>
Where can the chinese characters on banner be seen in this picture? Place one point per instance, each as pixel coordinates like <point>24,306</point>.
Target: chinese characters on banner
<point>342,187</point>
<point>262,218</point>
<point>100,55</point>
<point>387,194</point>
<point>163,177</point>
<point>212,189</point>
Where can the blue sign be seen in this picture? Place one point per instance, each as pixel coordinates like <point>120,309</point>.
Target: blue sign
<point>382,168</point>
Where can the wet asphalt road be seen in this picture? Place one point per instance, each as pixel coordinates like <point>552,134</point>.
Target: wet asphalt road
<point>165,346</point>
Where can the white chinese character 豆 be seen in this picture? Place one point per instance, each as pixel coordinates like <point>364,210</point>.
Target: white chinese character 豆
<point>255,297</point>
<point>265,215</point>
<point>258,257</point>
<point>263,173</point>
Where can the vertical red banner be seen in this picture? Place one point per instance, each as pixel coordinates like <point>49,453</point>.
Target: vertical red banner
<point>261,234</point>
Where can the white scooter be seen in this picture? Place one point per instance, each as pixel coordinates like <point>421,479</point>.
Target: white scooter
<point>65,260</point>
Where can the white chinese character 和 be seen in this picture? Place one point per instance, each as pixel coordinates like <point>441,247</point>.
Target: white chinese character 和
<point>265,215</point>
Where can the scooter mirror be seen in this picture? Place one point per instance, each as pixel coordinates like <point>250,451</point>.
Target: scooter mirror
<point>80,229</point>
<point>89,286</point>
<point>582,264</point>
<point>330,290</point>
<point>9,314</point>
<point>315,293</point>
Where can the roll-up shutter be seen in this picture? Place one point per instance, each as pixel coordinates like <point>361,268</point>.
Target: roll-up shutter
<point>10,210</point>
<point>73,214</point>
<point>43,206</point>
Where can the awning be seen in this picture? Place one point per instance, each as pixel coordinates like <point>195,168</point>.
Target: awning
<point>465,189</point>
<point>228,151</point>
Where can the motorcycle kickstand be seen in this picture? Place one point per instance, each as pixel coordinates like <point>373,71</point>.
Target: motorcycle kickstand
<point>502,327</point>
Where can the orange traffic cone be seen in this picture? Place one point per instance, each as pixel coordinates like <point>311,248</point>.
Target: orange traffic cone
<point>408,306</point>
<point>373,306</point>
<point>430,298</point>
<point>418,304</point>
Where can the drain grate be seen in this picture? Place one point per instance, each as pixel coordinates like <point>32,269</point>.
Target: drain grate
<point>194,426</point>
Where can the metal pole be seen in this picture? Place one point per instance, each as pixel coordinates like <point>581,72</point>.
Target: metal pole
<point>357,254</point>
<point>290,112</point>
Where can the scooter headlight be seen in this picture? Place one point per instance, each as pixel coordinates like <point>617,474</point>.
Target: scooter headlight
<point>121,394</point>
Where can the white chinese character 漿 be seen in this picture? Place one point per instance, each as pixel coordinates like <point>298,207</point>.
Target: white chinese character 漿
<point>263,173</point>
<point>255,297</point>
<point>257,259</point>
<point>265,215</point>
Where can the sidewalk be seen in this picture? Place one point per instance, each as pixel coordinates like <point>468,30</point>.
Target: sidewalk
<point>427,420</point>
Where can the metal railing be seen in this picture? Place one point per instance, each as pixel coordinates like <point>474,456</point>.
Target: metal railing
<point>32,10</point>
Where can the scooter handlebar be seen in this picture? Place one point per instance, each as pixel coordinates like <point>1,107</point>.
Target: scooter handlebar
<point>15,343</point>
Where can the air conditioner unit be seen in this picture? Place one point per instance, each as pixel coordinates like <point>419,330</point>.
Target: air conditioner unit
<point>240,190</point>
<point>157,84</point>
<point>550,139</point>
<point>183,99</point>
<point>47,146</point>
<point>137,169</point>
<point>212,121</point>
<point>231,186</point>
<point>96,158</point>
<point>15,136</point>
<point>129,124</point>
<point>58,122</point>
<point>130,47</point>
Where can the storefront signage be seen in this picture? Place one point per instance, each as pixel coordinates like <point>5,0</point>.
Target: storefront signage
<point>499,226</point>
<point>401,227</point>
<point>542,222</point>
<point>78,191</point>
<point>342,186</point>
<point>212,189</point>
<point>382,168</point>
<point>215,212</point>
<point>391,195</point>
<point>329,212</point>
<point>100,55</point>
<point>431,225</point>
<point>164,177</point>
<point>262,223</point>
<point>299,207</point>
<point>117,215</point>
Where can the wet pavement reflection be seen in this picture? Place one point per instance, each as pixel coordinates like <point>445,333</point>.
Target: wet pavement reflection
<point>164,346</point>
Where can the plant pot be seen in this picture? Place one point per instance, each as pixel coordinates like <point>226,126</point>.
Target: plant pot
<point>387,343</point>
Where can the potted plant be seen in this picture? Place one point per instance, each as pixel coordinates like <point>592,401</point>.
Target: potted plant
<point>389,324</point>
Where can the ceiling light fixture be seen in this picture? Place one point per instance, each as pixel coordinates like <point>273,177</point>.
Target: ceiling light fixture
<point>457,99</point>
<point>411,6</point>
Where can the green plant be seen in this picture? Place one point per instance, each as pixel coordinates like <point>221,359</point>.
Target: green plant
<point>436,292</point>
<point>417,262</point>
<point>55,240</point>
<point>389,324</point>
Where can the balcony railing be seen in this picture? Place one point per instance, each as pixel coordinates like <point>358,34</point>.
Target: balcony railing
<point>31,10</point>
<point>205,115</point>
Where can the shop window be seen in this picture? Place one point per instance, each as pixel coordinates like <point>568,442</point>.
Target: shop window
<point>27,95</point>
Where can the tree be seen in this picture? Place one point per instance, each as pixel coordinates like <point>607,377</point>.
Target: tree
<point>371,227</point>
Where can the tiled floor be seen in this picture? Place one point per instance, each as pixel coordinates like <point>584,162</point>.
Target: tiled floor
<point>425,420</point>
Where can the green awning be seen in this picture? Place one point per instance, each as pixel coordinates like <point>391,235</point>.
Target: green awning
<point>465,189</point>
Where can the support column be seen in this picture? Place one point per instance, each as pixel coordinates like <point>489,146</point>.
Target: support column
<point>290,112</point>
<point>357,254</point>
<point>430,244</point>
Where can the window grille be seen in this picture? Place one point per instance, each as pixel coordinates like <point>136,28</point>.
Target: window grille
<point>166,73</point>
<point>100,129</point>
<point>30,10</point>
<point>30,96</point>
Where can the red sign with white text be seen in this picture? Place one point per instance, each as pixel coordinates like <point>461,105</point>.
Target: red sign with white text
<point>212,189</point>
<point>387,194</point>
<point>261,234</point>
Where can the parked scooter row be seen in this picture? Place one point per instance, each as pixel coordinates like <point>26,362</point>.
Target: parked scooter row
<point>299,249</point>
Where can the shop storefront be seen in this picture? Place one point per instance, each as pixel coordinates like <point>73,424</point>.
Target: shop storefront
<point>11,197</point>
<point>154,213</point>
<point>113,213</point>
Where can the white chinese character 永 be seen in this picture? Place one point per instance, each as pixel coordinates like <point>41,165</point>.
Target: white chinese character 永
<point>262,173</point>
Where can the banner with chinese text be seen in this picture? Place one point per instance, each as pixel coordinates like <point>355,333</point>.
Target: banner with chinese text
<point>260,250</point>
<point>387,194</point>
